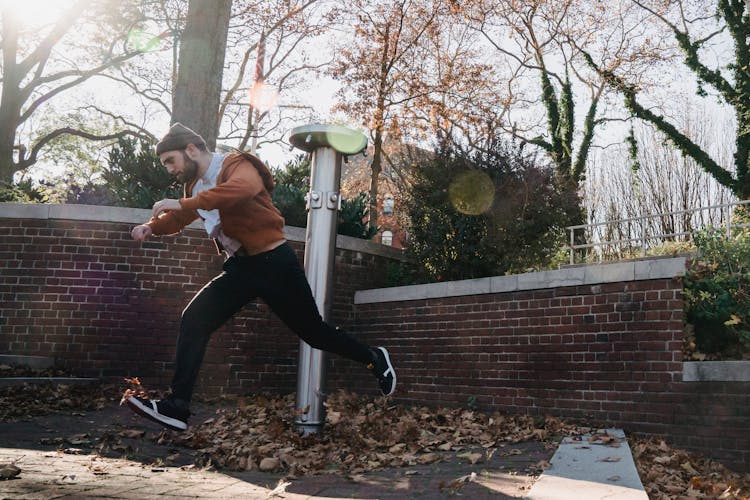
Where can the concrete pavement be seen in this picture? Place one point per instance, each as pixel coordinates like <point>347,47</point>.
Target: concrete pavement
<point>594,466</point>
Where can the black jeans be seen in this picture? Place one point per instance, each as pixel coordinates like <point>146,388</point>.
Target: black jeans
<point>276,277</point>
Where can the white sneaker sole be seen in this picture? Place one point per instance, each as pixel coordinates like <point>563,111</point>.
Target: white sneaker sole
<point>154,415</point>
<point>390,369</point>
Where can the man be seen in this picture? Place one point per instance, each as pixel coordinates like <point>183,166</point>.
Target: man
<point>231,193</point>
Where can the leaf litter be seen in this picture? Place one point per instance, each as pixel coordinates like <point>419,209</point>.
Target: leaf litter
<point>669,473</point>
<point>363,434</point>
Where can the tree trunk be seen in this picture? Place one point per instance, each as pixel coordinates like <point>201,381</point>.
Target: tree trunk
<point>9,100</point>
<point>375,169</point>
<point>201,64</point>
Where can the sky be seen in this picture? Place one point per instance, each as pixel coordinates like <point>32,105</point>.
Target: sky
<point>319,94</point>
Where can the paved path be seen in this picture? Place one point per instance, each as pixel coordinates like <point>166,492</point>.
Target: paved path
<point>58,459</point>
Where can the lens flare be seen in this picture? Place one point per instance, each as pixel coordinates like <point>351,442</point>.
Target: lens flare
<point>472,192</point>
<point>142,41</point>
<point>346,141</point>
<point>263,97</point>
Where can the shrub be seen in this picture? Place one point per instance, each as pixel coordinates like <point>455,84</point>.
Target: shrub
<point>293,183</point>
<point>353,213</point>
<point>136,178</point>
<point>23,191</point>
<point>490,213</point>
<point>717,293</point>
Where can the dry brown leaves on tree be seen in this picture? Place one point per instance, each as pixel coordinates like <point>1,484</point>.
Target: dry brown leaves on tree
<point>668,473</point>
<point>361,435</point>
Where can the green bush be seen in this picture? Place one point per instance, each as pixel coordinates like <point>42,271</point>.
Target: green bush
<point>489,213</point>
<point>293,184</point>
<point>135,177</point>
<point>353,213</point>
<point>717,294</point>
<point>23,191</point>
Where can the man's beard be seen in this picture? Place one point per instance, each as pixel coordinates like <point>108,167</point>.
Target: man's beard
<point>189,172</point>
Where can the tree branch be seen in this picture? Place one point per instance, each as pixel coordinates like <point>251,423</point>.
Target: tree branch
<point>681,141</point>
<point>84,75</point>
<point>71,131</point>
<point>63,25</point>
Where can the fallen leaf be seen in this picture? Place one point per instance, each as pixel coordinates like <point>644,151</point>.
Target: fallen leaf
<point>689,468</point>
<point>9,471</point>
<point>428,458</point>
<point>269,464</point>
<point>397,448</point>
<point>132,433</point>
<point>279,490</point>
<point>472,458</point>
<point>455,485</point>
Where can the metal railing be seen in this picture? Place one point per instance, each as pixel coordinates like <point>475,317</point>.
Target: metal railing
<point>616,239</point>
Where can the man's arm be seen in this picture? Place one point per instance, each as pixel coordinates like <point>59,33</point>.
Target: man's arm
<point>243,182</point>
<point>167,219</point>
<point>141,232</point>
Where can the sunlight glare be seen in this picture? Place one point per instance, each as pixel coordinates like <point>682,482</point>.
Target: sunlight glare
<point>263,97</point>
<point>143,41</point>
<point>35,12</point>
<point>472,192</point>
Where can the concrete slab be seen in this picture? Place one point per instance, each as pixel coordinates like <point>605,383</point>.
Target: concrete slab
<point>583,469</point>
<point>19,381</point>
<point>716,371</point>
<point>36,362</point>
<point>594,275</point>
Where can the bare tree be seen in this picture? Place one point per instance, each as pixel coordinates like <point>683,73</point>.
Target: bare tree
<point>378,70</point>
<point>261,99</point>
<point>553,100</point>
<point>39,66</point>
<point>663,186</point>
<point>697,28</point>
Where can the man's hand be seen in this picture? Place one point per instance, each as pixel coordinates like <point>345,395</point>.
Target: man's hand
<point>140,233</point>
<point>166,206</point>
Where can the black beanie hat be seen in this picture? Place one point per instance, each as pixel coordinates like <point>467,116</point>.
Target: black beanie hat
<point>178,137</point>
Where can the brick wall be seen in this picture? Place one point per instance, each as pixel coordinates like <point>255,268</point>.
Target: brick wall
<point>81,290</point>
<point>600,343</point>
<point>605,353</point>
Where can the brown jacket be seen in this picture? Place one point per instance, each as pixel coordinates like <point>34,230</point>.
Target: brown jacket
<point>242,196</point>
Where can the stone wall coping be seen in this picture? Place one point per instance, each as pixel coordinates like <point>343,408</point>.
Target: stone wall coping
<point>139,215</point>
<point>656,268</point>
<point>716,371</point>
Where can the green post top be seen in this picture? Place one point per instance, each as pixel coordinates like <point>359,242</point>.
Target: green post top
<point>344,140</point>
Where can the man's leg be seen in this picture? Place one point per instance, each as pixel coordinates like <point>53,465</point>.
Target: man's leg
<point>288,294</point>
<point>211,307</point>
<point>208,310</point>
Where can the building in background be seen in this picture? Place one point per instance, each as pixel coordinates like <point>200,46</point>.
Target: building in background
<point>392,184</point>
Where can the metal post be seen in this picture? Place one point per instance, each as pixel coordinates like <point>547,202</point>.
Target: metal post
<point>328,144</point>
<point>572,249</point>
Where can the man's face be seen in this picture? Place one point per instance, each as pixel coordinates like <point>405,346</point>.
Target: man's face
<point>179,164</point>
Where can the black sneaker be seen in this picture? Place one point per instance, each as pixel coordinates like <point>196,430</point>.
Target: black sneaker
<point>165,412</point>
<point>383,370</point>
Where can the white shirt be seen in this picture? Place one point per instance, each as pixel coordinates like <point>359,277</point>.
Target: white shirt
<point>211,220</point>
